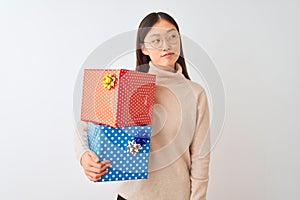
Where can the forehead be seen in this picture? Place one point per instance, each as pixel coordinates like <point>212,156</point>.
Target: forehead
<point>162,26</point>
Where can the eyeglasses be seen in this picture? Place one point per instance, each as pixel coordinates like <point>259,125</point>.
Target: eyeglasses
<point>156,40</point>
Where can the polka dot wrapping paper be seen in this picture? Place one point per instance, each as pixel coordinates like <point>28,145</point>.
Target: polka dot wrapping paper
<point>112,144</point>
<point>117,97</point>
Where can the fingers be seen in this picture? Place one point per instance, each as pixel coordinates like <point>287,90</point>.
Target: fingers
<point>105,162</point>
<point>92,179</point>
<point>91,159</point>
<point>98,170</point>
<point>98,165</point>
<point>93,168</point>
<point>104,167</point>
<point>95,176</point>
<point>94,156</point>
<point>94,171</point>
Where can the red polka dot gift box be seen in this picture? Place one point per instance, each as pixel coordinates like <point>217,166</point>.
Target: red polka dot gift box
<point>117,97</point>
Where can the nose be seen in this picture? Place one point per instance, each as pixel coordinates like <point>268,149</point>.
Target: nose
<point>165,45</point>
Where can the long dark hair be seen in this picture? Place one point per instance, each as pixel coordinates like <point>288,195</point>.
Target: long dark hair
<point>142,60</point>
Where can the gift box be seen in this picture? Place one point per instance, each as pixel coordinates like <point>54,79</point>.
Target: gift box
<point>127,148</point>
<point>117,97</point>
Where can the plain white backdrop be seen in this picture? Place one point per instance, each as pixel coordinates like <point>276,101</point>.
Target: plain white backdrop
<point>254,44</point>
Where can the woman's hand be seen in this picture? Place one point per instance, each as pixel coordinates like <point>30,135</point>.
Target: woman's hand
<point>92,166</point>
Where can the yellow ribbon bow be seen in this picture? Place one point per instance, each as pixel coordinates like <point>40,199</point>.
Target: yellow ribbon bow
<point>109,81</point>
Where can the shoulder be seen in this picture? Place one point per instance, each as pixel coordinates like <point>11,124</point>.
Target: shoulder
<point>199,93</point>
<point>196,87</point>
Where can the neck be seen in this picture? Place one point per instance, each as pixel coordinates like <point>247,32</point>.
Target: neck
<point>167,68</point>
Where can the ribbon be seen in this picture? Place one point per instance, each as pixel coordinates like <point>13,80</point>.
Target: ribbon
<point>139,139</point>
<point>133,147</point>
<point>109,81</point>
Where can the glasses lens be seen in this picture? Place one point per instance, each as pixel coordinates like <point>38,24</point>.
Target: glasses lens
<point>156,41</point>
<point>173,38</point>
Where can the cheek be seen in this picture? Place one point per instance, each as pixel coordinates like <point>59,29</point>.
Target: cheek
<point>154,55</point>
<point>177,49</point>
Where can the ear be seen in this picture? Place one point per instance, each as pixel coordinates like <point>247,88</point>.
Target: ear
<point>144,50</point>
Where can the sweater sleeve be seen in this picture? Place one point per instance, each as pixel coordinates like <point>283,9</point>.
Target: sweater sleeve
<point>80,139</point>
<point>200,151</point>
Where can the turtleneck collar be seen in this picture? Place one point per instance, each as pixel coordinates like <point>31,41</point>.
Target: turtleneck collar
<point>163,72</point>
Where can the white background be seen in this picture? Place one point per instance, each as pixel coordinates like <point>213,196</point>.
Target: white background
<point>254,44</point>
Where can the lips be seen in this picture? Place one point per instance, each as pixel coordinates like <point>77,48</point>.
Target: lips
<point>167,54</point>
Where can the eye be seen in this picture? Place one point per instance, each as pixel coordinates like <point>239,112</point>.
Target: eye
<point>173,37</point>
<point>156,41</point>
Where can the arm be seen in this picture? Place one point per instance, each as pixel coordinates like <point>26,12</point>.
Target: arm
<point>80,139</point>
<point>200,151</point>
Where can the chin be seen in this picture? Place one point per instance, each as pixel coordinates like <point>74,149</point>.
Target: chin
<point>170,63</point>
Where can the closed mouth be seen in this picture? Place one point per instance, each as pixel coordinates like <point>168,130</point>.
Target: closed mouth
<point>167,54</point>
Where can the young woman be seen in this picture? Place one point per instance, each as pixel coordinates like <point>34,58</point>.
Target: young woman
<point>180,144</point>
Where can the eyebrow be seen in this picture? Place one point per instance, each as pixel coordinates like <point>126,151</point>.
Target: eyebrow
<point>155,34</point>
<point>173,29</point>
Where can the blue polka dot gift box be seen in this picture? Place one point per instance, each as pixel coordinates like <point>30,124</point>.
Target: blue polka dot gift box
<point>127,148</point>
<point>117,97</point>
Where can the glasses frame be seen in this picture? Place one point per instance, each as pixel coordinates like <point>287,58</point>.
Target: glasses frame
<point>164,39</point>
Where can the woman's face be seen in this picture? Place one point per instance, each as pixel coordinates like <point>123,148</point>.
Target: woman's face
<point>162,44</point>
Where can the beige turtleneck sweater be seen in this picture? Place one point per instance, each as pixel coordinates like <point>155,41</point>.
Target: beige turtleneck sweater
<point>180,143</point>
